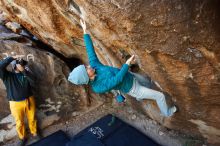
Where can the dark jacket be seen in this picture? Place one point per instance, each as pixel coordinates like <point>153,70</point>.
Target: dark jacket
<point>18,85</point>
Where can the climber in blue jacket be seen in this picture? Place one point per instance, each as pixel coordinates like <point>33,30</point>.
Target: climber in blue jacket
<point>103,78</point>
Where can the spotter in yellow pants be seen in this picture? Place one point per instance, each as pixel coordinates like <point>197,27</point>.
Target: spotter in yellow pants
<point>21,108</point>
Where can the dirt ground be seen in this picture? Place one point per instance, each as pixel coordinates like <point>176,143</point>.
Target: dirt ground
<point>152,129</point>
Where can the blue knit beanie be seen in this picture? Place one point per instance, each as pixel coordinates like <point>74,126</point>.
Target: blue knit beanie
<point>79,75</point>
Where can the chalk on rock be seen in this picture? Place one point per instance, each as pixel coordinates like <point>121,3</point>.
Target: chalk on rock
<point>15,27</point>
<point>161,133</point>
<point>133,117</point>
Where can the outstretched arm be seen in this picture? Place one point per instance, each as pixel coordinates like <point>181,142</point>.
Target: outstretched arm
<point>93,59</point>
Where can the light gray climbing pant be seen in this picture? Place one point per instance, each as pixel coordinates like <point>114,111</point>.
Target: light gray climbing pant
<point>140,91</point>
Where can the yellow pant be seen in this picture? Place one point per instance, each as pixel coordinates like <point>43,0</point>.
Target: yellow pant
<point>19,110</point>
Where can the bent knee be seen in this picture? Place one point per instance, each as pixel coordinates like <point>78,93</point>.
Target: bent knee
<point>160,97</point>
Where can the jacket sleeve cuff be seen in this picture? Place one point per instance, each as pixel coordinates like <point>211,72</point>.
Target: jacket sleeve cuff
<point>86,35</point>
<point>125,66</point>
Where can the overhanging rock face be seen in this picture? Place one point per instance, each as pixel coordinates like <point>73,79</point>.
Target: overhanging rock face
<point>176,43</point>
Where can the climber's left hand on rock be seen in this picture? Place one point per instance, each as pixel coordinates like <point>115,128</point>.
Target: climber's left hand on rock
<point>132,58</point>
<point>83,24</point>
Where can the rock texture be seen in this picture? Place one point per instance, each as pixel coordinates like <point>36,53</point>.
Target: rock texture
<point>176,43</point>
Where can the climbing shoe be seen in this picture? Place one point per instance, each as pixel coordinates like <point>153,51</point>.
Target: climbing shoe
<point>173,110</point>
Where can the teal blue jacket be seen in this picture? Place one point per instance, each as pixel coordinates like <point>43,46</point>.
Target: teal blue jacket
<point>107,77</point>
